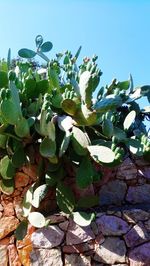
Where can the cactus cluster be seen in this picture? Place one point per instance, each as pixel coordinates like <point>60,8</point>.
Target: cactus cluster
<point>52,109</point>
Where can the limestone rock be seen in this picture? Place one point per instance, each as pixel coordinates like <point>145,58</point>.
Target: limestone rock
<point>111,225</point>
<point>139,194</point>
<point>8,209</point>
<point>48,237</point>
<point>112,193</point>
<point>135,215</point>
<point>7,225</point>
<point>24,255</point>
<point>46,257</point>
<point>76,260</point>
<point>127,170</point>
<point>77,234</point>
<point>137,235</point>
<point>140,255</point>
<point>111,251</point>
<point>13,256</point>
<point>3,255</point>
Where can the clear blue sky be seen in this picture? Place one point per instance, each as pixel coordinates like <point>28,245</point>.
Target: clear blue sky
<point>117,31</point>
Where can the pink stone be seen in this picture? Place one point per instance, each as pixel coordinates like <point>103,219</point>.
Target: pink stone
<point>140,256</point>
<point>127,170</point>
<point>7,225</point>
<point>77,234</point>
<point>112,225</point>
<point>137,235</point>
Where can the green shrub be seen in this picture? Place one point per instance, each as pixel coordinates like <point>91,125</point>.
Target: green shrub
<point>52,109</point>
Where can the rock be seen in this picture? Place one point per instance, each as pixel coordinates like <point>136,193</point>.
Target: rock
<point>145,172</point>
<point>46,257</point>
<point>139,194</point>
<point>21,180</point>
<point>139,161</point>
<point>127,170</point>
<point>13,256</point>
<point>18,208</point>
<point>147,225</point>
<point>77,234</point>
<point>56,219</point>
<point>135,215</point>
<point>76,260</point>
<point>112,226</point>
<point>112,193</point>
<point>27,239</point>
<point>24,255</point>
<point>137,235</point>
<point>48,237</point>
<point>1,208</point>
<point>64,226</point>
<point>111,251</point>
<point>140,255</point>
<point>3,255</point>
<point>9,209</point>
<point>7,225</point>
<point>31,171</point>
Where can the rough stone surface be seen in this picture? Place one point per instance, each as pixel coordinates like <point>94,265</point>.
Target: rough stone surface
<point>144,172</point>
<point>21,180</point>
<point>13,256</point>
<point>112,226</point>
<point>24,255</point>
<point>135,215</point>
<point>137,235</point>
<point>46,257</point>
<point>8,209</point>
<point>139,194</point>
<point>140,256</point>
<point>3,255</point>
<point>76,260</point>
<point>47,237</point>
<point>112,193</point>
<point>127,170</point>
<point>77,234</point>
<point>7,225</point>
<point>111,251</point>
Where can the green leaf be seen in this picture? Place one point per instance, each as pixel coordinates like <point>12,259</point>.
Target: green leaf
<point>83,218</point>
<point>21,230</point>
<point>65,143</point>
<point>65,198</point>
<point>10,112</point>
<point>51,178</point>
<point>101,154</point>
<point>6,168</point>
<point>27,201</point>
<point>109,103</point>
<point>3,140</point>
<point>119,134</point>
<point>65,122</point>
<point>39,194</point>
<point>15,97</point>
<point>129,120</point>
<point>42,87</point>
<point>22,128</point>
<point>3,79</point>
<point>80,141</point>
<point>7,186</point>
<point>84,176</point>
<point>30,85</point>
<point>26,53</point>
<point>124,85</point>
<point>135,146</point>
<point>69,106</point>
<point>86,88</point>
<point>19,157</point>
<point>88,202</point>
<point>107,128</point>
<point>48,147</point>
<point>37,219</point>
<point>46,47</point>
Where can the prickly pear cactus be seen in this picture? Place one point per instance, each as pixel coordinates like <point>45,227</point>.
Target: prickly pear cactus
<point>60,111</point>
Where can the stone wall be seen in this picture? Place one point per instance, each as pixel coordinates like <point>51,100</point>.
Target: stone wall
<point>120,234</point>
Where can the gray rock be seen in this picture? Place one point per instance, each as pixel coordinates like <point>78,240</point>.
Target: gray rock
<point>76,260</point>
<point>127,170</point>
<point>111,251</point>
<point>112,226</point>
<point>112,193</point>
<point>48,237</point>
<point>137,235</point>
<point>144,172</point>
<point>139,194</point>
<point>46,257</point>
<point>140,256</point>
<point>135,215</point>
<point>77,234</point>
